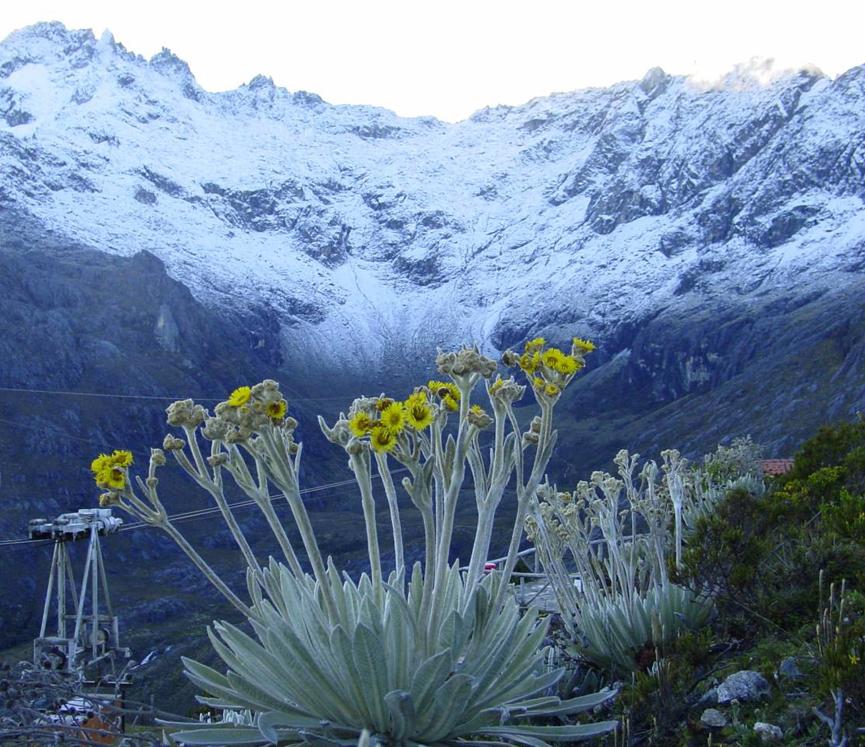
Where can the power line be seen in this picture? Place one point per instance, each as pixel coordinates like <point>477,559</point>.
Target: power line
<point>161,397</point>
<point>199,513</point>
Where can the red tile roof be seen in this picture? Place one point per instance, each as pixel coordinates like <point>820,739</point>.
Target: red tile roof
<point>773,467</point>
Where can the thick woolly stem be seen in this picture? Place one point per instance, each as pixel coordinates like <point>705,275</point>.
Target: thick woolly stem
<point>393,507</point>
<point>360,465</point>
<point>208,572</point>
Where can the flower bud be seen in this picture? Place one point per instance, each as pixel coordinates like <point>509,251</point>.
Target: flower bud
<point>108,499</point>
<point>172,443</point>
<point>510,358</point>
<point>465,361</point>
<point>478,418</point>
<point>185,412</point>
<point>215,429</point>
<point>506,390</point>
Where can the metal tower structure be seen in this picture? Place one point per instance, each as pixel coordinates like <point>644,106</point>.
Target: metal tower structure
<point>93,649</point>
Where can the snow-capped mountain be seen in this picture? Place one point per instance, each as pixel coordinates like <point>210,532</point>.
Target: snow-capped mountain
<point>157,239</point>
<point>584,212</point>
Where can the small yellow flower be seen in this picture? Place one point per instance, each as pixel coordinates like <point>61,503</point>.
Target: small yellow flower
<point>360,424</point>
<point>240,396</point>
<point>382,403</point>
<point>569,365</point>
<point>116,478</point>
<point>477,410</point>
<point>583,345</point>
<point>113,478</point>
<point>533,346</point>
<point>854,659</point>
<point>529,362</point>
<point>109,470</point>
<point>445,389</point>
<point>552,358</point>
<point>452,404</point>
<point>418,413</point>
<point>417,397</point>
<point>276,410</point>
<point>551,390</point>
<point>100,463</point>
<point>393,417</point>
<point>382,439</point>
<point>496,385</point>
<point>121,458</point>
<point>538,383</point>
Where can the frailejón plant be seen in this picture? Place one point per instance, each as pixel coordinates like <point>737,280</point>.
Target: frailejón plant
<point>615,535</point>
<point>435,658</point>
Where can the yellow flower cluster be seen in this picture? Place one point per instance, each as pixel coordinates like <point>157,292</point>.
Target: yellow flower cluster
<point>389,418</point>
<point>447,392</point>
<point>274,409</point>
<point>109,470</point>
<point>550,369</point>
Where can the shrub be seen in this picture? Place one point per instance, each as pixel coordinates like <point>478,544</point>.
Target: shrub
<point>762,553</point>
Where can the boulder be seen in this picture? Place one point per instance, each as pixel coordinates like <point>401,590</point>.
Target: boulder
<point>768,732</point>
<point>713,718</point>
<point>745,685</point>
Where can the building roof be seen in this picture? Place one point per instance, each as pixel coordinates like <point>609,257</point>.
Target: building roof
<point>773,467</point>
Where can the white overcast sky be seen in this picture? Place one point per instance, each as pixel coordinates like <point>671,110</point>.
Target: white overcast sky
<point>449,58</point>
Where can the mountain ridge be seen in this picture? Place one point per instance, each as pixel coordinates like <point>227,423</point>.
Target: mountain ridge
<point>591,212</point>
<point>156,238</point>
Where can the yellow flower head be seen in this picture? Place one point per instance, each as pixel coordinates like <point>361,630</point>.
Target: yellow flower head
<point>382,439</point>
<point>416,397</point>
<point>418,413</point>
<point>109,471</point>
<point>538,382</point>
<point>496,385</point>
<point>529,362</point>
<point>533,346</point>
<point>240,396</point>
<point>393,417</point>
<point>854,659</point>
<point>477,410</point>
<point>552,358</point>
<point>568,365</point>
<point>452,404</point>
<point>584,346</point>
<point>116,478</point>
<point>276,410</point>
<point>113,478</point>
<point>551,390</point>
<point>360,424</point>
<point>121,458</point>
<point>100,463</point>
<point>444,390</point>
<point>382,403</point>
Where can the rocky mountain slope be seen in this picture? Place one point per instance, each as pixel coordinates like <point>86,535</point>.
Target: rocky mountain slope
<point>370,236</point>
<point>156,238</point>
